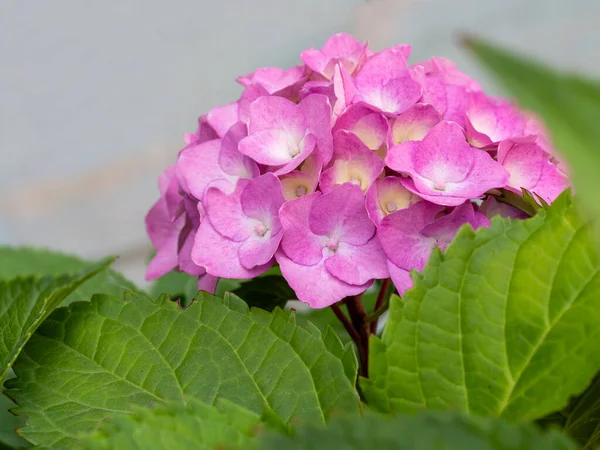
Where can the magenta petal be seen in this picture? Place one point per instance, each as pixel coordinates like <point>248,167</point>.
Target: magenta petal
<point>275,113</point>
<point>358,264</point>
<point>400,277</point>
<point>299,242</point>
<point>219,255</point>
<point>251,93</point>
<point>226,215</point>
<point>341,214</point>
<point>340,48</point>
<point>164,235</point>
<point>207,283</point>
<point>259,250</point>
<point>353,162</point>
<point>401,238</point>
<point>261,199</point>
<point>313,284</point>
<point>222,118</point>
<point>344,89</point>
<point>273,79</point>
<point>317,119</point>
<point>185,254</point>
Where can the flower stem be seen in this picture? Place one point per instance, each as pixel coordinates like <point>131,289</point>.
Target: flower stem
<point>380,305</point>
<point>345,322</point>
<point>358,315</point>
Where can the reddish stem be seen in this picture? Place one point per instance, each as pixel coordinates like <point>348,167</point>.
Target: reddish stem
<point>381,298</point>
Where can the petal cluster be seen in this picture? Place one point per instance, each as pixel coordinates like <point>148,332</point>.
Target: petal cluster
<point>349,167</point>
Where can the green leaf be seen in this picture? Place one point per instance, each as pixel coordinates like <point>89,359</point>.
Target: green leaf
<point>26,302</point>
<point>94,360</point>
<point>506,322</point>
<point>195,425</point>
<point>27,261</point>
<point>266,292</point>
<point>570,106</point>
<point>8,424</point>
<point>583,417</point>
<point>423,431</point>
<point>177,285</point>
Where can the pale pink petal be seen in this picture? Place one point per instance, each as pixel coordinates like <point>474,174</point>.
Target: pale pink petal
<point>276,113</point>
<point>306,147</point>
<point>387,195</point>
<point>341,215</point>
<point>344,89</point>
<point>358,264</point>
<point>273,147</point>
<point>275,80</point>
<point>316,112</point>
<point>371,127</point>
<point>340,48</point>
<point>222,118</point>
<point>185,252</point>
<point>204,132</point>
<point>219,255</point>
<point>353,162</point>
<point>313,284</point>
<point>303,181</point>
<point>490,120</point>
<point>322,87</point>
<point>413,124</point>
<point>251,93</point>
<point>299,242</point>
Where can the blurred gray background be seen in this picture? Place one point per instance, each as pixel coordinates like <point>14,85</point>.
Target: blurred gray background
<point>96,95</point>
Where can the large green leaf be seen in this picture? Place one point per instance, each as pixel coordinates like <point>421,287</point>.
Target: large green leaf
<point>506,322</point>
<point>27,261</point>
<point>195,425</point>
<point>26,302</point>
<point>423,431</point>
<point>94,360</point>
<point>570,106</point>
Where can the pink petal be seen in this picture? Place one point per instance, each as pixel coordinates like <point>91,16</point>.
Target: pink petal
<point>387,195</point>
<point>371,127</point>
<point>490,120</point>
<point>231,160</point>
<point>198,167</point>
<point>274,147</point>
<point>304,181</point>
<point>164,234</point>
<point>384,81</point>
<point>322,87</point>
<point>341,215</point>
<point>222,118</point>
<point>306,147</point>
<point>491,208</point>
<point>261,199</point>
<point>226,215</point>
<point>219,255</point>
<point>445,228</point>
<point>276,113</point>
<point>414,124</point>
<point>400,277</point>
<point>339,48</point>
<point>273,79</point>
<point>353,162</point>
<point>401,238</point>
<point>344,89</point>
<point>317,119</point>
<point>204,132</point>
<point>259,250</point>
<point>251,93</point>
<point>299,242</point>
<point>313,284</point>
<point>185,253</point>
<point>207,283</point>
<point>358,264</point>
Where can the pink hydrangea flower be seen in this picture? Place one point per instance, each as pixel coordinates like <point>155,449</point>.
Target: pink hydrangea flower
<point>349,167</point>
<point>240,232</point>
<point>329,249</point>
<point>444,168</point>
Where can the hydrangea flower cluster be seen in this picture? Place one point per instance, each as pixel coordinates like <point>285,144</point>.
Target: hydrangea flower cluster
<point>347,168</point>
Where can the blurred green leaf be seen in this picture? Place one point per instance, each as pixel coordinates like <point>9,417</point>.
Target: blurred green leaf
<point>266,292</point>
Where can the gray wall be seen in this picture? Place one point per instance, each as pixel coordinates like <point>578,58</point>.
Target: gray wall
<point>95,95</point>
